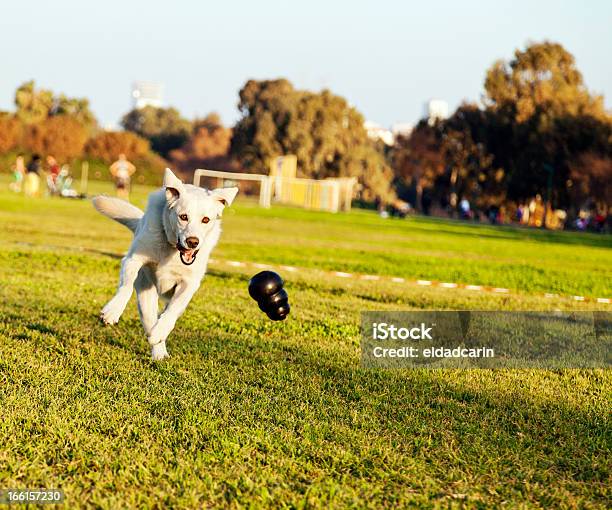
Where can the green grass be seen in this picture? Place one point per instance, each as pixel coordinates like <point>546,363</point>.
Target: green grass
<point>251,413</point>
<point>523,260</point>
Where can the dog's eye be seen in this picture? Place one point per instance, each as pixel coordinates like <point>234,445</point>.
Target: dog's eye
<point>183,217</point>
<point>205,219</point>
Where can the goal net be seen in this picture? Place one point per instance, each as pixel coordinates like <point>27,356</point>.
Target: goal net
<point>249,184</point>
<point>331,195</point>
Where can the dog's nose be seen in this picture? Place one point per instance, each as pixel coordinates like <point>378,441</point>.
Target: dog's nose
<point>192,242</point>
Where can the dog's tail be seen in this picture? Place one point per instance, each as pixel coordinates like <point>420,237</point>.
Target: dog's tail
<point>119,210</point>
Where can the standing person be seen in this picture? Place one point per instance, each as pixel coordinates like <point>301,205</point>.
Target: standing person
<point>31,185</point>
<point>19,171</point>
<point>122,171</point>
<point>519,213</point>
<point>525,216</point>
<point>464,208</point>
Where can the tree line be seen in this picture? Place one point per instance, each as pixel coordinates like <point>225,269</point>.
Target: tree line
<point>66,128</point>
<point>537,130</point>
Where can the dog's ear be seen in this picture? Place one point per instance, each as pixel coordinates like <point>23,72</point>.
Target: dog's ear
<point>225,195</point>
<point>173,185</point>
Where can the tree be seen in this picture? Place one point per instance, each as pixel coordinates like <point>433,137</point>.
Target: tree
<point>266,107</point>
<point>321,129</point>
<point>109,144</point>
<point>540,80</point>
<point>539,124</point>
<point>76,108</point>
<point>163,127</point>
<point>418,160</point>
<point>374,175</point>
<point>11,132</point>
<point>590,176</point>
<point>60,136</point>
<point>472,173</point>
<point>33,105</point>
<point>209,139</point>
<point>545,115</point>
<point>36,105</point>
<point>207,147</point>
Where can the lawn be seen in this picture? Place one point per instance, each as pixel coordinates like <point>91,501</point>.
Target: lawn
<point>251,413</point>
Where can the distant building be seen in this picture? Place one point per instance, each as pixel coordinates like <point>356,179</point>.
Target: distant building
<point>402,129</point>
<point>147,93</point>
<point>377,132</point>
<point>436,109</point>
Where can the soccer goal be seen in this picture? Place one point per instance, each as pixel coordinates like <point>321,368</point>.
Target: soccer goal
<point>331,195</point>
<point>248,183</point>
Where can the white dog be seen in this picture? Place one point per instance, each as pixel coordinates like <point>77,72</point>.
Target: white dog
<point>169,254</point>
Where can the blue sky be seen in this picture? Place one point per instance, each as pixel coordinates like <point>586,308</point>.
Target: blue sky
<point>386,57</point>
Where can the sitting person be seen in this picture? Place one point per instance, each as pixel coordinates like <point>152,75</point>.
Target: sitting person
<point>31,185</point>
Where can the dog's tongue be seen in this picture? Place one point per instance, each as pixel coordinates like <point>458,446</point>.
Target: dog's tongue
<point>188,255</point>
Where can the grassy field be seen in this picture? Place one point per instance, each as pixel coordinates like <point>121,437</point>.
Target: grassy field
<point>250,413</point>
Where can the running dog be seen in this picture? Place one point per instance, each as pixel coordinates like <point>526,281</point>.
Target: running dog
<point>167,259</point>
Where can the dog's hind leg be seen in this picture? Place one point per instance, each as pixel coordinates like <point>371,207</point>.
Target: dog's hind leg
<point>146,292</point>
<point>130,266</point>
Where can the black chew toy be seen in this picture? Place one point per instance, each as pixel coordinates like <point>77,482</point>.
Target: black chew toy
<point>267,289</point>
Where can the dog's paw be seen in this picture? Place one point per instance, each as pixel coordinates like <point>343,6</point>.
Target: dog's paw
<point>110,313</point>
<point>160,331</point>
<point>159,351</point>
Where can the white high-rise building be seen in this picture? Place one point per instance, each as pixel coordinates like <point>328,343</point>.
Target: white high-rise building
<point>377,132</point>
<point>436,109</point>
<point>147,93</point>
<point>402,128</point>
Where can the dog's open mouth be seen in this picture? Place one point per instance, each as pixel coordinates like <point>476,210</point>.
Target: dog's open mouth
<point>187,256</point>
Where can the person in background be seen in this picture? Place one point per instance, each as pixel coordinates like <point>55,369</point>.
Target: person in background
<point>54,168</point>
<point>31,185</point>
<point>122,171</point>
<point>582,222</point>
<point>519,213</point>
<point>599,222</point>
<point>464,209</point>
<point>536,211</point>
<point>19,171</point>
<point>525,215</point>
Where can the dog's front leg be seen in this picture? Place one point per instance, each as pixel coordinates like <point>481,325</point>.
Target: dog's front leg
<point>130,265</point>
<point>146,292</point>
<point>165,324</point>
